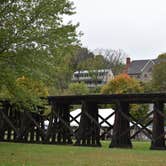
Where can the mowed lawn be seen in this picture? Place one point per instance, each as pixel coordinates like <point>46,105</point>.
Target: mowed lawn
<point>15,154</point>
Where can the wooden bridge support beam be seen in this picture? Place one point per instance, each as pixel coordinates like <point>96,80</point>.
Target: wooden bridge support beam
<point>121,139</point>
<point>88,132</point>
<point>2,123</point>
<point>65,124</point>
<point>59,131</point>
<point>7,126</point>
<point>158,140</point>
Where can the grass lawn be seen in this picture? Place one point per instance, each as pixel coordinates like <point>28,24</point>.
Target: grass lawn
<point>14,154</point>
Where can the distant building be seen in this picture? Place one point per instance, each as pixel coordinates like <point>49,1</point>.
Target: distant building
<point>94,78</point>
<point>140,69</point>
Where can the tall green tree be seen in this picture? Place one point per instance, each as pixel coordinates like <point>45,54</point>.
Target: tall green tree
<point>80,55</point>
<point>159,74</point>
<point>71,62</point>
<point>34,39</point>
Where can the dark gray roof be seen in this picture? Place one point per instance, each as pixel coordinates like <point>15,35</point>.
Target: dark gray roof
<point>136,66</point>
<point>159,60</point>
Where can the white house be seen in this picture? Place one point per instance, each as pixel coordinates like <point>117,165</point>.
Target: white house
<point>94,78</point>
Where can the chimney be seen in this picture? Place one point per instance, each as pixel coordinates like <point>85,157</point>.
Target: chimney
<point>128,62</point>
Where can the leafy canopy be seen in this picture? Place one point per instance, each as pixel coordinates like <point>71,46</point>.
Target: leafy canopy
<point>122,84</point>
<point>33,40</point>
<point>78,89</point>
<point>159,74</point>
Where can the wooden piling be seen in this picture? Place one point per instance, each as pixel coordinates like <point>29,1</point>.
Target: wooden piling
<point>121,124</point>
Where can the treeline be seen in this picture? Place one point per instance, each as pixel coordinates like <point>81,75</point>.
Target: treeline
<point>39,53</point>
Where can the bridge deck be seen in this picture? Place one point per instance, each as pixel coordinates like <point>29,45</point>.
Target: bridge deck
<point>109,99</point>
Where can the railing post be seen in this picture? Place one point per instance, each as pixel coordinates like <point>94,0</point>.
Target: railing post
<point>158,140</point>
<point>88,132</point>
<point>121,124</point>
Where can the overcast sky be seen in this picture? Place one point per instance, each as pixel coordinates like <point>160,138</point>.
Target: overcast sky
<point>136,26</point>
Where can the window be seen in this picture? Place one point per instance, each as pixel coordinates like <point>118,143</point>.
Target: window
<point>145,75</point>
<point>150,70</point>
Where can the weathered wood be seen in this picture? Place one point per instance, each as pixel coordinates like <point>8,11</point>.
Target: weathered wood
<point>158,140</point>
<point>2,123</point>
<point>49,128</point>
<point>23,126</point>
<point>59,130</point>
<point>74,118</point>
<point>142,129</point>
<point>121,124</point>
<point>88,132</point>
<point>32,135</point>
<point>83,130</point>
<point>67,131</point>
<point>109,99</point>
<point>6,118</point>
<point>105,119</point>
<point>34,121</point>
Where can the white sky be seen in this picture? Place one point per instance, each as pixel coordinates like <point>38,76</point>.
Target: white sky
<point>136,26</point>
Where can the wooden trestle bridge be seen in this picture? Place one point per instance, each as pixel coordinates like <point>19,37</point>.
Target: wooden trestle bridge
<point>29,127</point>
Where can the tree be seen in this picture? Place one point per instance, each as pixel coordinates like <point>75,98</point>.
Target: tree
<point>25,93</point>
<point>80,55</point>
<point>94,65</point>
<point>159,74</point>
<point>162,56</point>
<point>69,64</point>
<point>95,62</point>
<point>114,59</point>
<point>123,84</point>
<point>78,89</point>
<point>34,39</point>
<point>101,60</point>
<point>29,92</point>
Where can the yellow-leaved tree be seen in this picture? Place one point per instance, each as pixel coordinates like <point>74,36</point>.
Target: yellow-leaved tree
<point>27,94</point>
<point>123,84</point>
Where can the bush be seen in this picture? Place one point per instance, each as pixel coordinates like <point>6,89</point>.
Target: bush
<point>78,89</point>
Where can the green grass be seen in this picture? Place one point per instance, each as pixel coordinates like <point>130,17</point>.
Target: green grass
<point>14,154</point>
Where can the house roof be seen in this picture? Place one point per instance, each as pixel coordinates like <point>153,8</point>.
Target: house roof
<point>137,66</point>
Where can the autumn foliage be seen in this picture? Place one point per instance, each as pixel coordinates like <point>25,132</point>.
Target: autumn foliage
<point>125,84</point>
<point>27,92</point>
<point>33,87</point>
<point>122,83</point>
